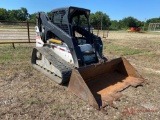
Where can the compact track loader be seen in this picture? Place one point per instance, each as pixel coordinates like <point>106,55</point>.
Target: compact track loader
<point>66,51</point>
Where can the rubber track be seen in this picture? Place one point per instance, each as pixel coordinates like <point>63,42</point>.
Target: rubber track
<point>58,62</point>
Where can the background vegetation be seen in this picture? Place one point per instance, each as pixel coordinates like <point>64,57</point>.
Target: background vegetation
<point>96,19</point>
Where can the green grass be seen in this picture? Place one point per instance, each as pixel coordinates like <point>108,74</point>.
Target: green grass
<point>7,54</point>
<point>120,50</point>
<point>32,101</point>
<point>5,57</point>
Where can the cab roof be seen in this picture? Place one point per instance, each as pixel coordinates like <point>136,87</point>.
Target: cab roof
<point>69,8</point>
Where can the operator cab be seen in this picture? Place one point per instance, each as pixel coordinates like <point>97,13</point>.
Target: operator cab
<point>74,21</point>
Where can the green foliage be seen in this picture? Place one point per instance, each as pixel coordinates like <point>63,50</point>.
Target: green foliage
<point>83,20</point>
<point>115,25</point>
<point>49,13</point>
<point>3,14</point>
<point>153,20</point>
<point>126,23</point>
<point>14,15</point>
<point>32,17</point>
<point>96,19</point>
<point>130,22</point>
<point>24,14</point>
<point>99,18</point>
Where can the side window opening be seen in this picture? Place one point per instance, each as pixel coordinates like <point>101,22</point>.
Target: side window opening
<point>60,20</point>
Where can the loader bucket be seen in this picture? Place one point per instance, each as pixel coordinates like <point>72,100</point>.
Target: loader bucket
<point>100,84</point>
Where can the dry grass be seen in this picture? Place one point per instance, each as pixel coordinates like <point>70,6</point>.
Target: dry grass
<point>27,94</point>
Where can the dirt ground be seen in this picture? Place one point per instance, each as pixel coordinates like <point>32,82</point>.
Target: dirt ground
<point>26,94</point>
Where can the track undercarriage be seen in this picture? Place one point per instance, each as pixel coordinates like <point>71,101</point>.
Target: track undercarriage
<point>46,61</point>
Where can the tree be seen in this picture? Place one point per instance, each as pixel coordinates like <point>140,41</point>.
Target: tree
<point>92,19</point>
<point>12,15</point>
<point>3,14</point>
<point>140,24</point>
<point>24,14</point>
<point>100,19</point>
<point>115,25</point>
<point>49,13</point>
<point>18,15</point>
<point>130,22</point>
<point>32,17</point>
<point>153,20</point>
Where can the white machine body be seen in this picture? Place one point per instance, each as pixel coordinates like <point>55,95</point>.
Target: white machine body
<point>63,51</point>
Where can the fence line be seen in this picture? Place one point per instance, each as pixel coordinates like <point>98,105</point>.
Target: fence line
<point>12,32</point>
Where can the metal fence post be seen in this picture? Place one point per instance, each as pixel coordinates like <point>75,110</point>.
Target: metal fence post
<point>28,32</point>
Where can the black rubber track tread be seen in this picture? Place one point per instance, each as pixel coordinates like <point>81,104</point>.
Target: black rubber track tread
<point>58,62</point>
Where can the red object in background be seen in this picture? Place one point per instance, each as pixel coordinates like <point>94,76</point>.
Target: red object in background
<point>132,29</point>
<point>135,29</point>
<point>138,29</point>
